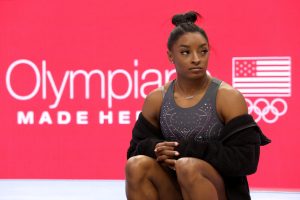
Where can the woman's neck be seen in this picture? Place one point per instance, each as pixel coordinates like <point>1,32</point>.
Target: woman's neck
<point>190,88</point>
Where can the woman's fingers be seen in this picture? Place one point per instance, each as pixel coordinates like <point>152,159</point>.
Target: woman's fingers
<point>169,144</point>
<point>165,146</point>
<point>165,150</point>
<point>163,155</point>
<point>170,162</point>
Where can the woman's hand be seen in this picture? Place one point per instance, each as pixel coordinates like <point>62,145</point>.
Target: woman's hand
<point>165,153</point>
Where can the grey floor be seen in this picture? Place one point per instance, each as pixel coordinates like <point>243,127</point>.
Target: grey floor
<point>92,190</point>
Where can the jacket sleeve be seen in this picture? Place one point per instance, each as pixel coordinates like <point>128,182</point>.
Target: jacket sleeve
<point>144,138</point>
<point>236,154</point>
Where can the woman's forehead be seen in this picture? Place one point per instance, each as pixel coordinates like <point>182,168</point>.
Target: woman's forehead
<point>191,39</point>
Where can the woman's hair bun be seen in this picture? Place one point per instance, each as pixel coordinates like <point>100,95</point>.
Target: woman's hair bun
<point>189,17</point>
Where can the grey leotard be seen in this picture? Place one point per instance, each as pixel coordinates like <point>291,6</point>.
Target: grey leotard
<point>199,122</point>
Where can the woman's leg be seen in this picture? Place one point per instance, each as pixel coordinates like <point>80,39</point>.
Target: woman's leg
<point>199,180</point>
<point>147,179</point>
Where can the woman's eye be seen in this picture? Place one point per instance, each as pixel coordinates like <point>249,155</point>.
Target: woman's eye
<point>204,51</point>
<point>184,52</point>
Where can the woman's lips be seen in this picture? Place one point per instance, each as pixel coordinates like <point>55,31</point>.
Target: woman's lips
<point>196,69</point>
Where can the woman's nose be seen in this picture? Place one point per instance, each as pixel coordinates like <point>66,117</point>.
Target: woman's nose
<point>195,58</point>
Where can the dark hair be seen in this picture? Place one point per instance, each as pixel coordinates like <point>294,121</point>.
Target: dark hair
<point>185,23</point>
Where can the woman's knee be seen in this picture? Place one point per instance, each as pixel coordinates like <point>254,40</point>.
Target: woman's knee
<point>190,169</point>
<point>187,166</point>
<point>193,165</point>
<point>138,165</point>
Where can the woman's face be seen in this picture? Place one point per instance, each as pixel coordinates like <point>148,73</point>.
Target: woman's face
<point>190,55</point>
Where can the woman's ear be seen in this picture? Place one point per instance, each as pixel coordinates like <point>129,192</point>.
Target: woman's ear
<point>170,56</point>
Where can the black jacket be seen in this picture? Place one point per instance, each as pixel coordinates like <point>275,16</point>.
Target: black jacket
<point>235,155</point>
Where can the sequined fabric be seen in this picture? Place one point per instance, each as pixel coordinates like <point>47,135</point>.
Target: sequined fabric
<point>199,122</point>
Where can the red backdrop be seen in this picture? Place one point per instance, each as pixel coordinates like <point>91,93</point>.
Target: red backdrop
<point>73,74</point>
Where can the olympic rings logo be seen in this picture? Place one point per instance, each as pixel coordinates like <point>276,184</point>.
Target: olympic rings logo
<point>264,109</point>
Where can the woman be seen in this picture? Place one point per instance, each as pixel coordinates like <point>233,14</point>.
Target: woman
<point>194,138</point>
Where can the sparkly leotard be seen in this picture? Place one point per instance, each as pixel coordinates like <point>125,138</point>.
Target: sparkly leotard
<point>199,122</point>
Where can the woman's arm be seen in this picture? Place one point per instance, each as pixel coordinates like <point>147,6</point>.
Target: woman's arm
<point>230,103</point>
<point>152,105</point>
<point>146,132</point>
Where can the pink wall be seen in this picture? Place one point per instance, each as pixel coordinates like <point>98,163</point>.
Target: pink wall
<point>50,126</point>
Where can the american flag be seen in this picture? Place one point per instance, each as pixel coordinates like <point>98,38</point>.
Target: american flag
<point>262,76</point>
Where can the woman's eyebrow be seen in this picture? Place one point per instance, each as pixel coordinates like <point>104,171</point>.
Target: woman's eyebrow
<point>184,45</point>
<point>202,45</point>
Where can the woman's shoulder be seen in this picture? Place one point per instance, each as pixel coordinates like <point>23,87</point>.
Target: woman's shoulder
<point>153,102</point>
<point>157,94</point>
<point>231,102</point>
<point>227,91</point>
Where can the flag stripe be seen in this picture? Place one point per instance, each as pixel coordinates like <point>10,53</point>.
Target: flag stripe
<point>264,90</point>
<point>273,62</point>
<point>241,85</point>
<point>273,73</point>
<point>273,68</point>
<point>268,95</point>
<point>262,79</point>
